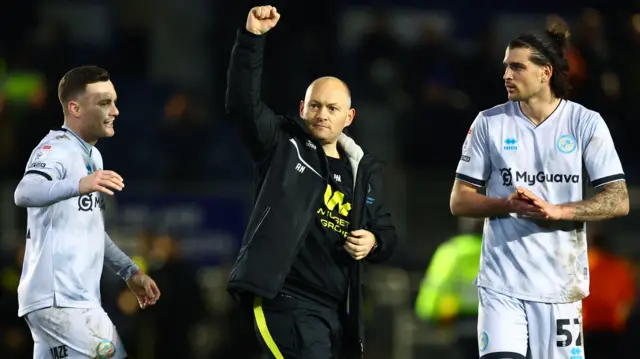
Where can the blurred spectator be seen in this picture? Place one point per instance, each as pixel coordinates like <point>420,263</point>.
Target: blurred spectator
<point>607,308</point>
<point>447,294</point>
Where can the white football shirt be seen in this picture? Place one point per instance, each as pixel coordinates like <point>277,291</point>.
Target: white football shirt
<point>65,246</point>
<point>536,260</point>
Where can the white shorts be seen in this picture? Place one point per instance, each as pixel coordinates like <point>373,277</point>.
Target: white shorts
<point>510,328</point>
<point>74,333</point>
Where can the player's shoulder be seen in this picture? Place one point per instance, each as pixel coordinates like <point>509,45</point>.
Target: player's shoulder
<point>581,113</point>
<point>58,138</point>
<point>498,112</point>
<point>55,142</point>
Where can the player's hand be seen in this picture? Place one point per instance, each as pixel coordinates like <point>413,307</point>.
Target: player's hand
<point>262,19</point>
<point>101,181</point>
<point>551,211</point>
<point>145,289</point>
<point>359,243</point>
<point>518,203</point>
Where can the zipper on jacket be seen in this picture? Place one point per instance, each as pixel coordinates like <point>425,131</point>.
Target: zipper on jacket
<point>262,218</point>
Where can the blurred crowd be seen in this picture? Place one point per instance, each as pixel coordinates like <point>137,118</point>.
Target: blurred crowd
<point>418,77</point>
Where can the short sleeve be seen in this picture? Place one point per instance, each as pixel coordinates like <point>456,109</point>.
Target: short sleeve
<point>600,157</point>
<point>474,166</point>
<point>48,161</point>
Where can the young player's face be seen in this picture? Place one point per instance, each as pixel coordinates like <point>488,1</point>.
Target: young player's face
<point>326,110</point>
<point>522,78</point>
<point>99,109</point>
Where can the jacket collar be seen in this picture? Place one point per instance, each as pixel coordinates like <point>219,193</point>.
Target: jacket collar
<point>354,152</point>
<point>350,148</point>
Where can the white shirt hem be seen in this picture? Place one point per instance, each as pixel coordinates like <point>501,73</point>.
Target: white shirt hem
<point>555,299</point>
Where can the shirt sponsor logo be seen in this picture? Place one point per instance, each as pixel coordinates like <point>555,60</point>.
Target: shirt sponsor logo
<point>89,202</point>
<point>534,178</point>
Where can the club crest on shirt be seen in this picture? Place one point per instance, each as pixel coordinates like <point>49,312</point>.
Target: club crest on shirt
<point>566,144</point>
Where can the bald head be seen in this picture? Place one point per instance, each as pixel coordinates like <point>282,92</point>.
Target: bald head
<point>326,108</point>
<point>330,84</point>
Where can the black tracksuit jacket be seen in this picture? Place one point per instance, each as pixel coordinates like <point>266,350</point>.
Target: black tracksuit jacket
<point>291,176</point>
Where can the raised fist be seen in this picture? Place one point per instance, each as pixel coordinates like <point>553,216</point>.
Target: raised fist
<point>262,19</point>
<point>101,181</point>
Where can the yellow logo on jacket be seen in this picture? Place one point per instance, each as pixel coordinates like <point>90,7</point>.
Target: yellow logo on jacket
<point>333,199</point>
<point>334,202</point>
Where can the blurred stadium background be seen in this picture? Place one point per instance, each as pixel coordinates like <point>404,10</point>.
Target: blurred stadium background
<point>419,72</point>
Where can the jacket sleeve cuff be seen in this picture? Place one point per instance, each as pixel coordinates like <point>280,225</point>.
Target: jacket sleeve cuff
<point>377,247</point>
<point>247,38</point>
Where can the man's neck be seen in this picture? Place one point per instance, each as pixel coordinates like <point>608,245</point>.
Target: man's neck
<point>77,129</point>
<point>331,150</point>
<point>539,108</point>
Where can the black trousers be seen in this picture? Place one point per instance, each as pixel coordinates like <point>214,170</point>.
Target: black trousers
<point>291,328</point>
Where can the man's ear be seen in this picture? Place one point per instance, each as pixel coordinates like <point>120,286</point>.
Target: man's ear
<point>547,72</point>
<point>351,114</point>
<point>73,108</point>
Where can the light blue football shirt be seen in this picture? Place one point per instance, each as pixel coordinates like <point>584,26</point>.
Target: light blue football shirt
<point>544,261</point>
<point>66,239</point>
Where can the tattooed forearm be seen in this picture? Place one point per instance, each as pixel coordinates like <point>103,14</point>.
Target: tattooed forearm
<point>612,201</point>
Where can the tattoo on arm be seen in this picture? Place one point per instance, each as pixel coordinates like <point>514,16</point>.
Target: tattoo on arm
<point>612,201</point>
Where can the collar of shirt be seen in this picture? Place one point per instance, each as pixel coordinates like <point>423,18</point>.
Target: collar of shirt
<point>84,143</point>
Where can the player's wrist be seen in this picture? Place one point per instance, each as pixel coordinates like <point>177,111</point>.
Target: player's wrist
<point>567,213</point>
<point>132,271</point>
<point>503,206</point>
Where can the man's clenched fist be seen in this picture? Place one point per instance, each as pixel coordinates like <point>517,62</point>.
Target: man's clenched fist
<point>101,181</point>
<point>262,19</point>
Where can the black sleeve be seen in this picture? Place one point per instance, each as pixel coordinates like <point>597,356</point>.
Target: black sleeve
<point>258,124</point>
<point>381,224</point>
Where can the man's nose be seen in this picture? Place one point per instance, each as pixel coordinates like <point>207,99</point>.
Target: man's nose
<point>323,113</point>
<point>507,74</point>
